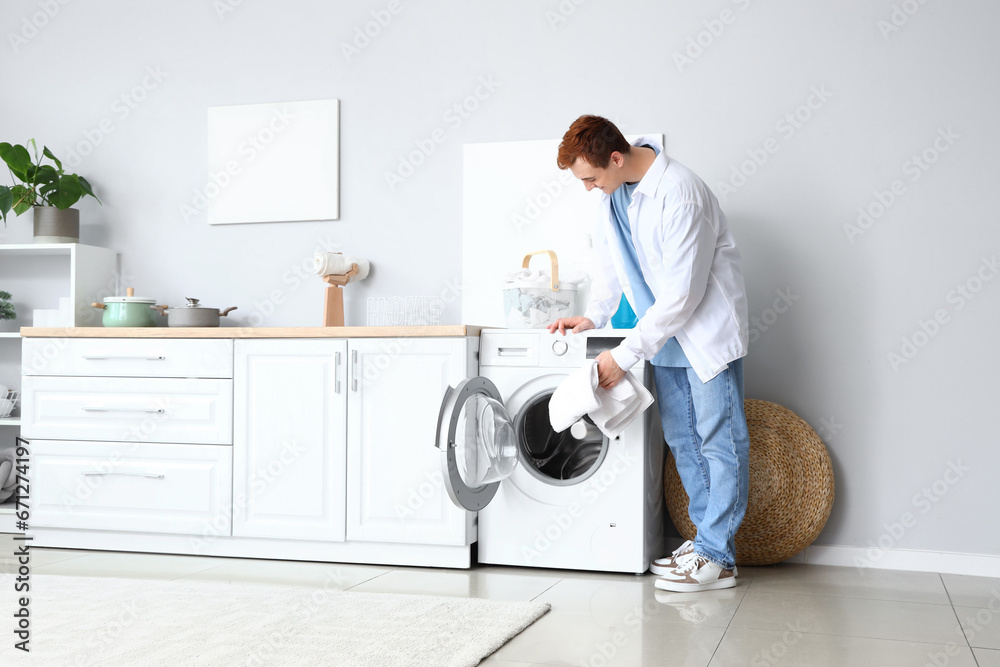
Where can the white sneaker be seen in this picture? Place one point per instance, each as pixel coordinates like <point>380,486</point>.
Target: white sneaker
<point>663,565</point>
<point>696,574</point>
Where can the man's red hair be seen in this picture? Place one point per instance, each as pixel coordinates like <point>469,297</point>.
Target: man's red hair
<point>592,138</point>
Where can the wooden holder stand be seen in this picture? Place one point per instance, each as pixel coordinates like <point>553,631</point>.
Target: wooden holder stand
<point>333,308</point>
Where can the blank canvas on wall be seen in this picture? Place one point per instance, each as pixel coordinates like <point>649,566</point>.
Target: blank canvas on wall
<point>275,162</point>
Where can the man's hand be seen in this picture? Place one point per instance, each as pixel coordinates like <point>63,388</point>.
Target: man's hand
<point>574,324</point>
<point>609,373</point>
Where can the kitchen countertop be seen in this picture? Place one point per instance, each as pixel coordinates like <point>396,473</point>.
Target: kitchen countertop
<point>252,332</point>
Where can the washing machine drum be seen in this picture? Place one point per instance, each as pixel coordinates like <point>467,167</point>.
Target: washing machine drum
<point>569,456</point>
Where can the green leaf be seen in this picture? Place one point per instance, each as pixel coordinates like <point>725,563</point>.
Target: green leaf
<point>6,202</point>
<point>18,159</point>
<point>47,153</point>
<point>24,198</point>
<point>45,174</point>
<point>68,193</point>
<point>87,189</point>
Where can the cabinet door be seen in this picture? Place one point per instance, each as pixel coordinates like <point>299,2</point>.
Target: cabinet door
<point>395,488</point>
<point>289,439</point>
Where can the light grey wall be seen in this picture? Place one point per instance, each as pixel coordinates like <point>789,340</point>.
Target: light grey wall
<point>892,431</point>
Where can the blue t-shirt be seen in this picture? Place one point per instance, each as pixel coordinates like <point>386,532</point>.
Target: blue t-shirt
<point>671,353</point>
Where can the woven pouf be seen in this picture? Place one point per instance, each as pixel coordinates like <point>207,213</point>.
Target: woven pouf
<point>791,487</point>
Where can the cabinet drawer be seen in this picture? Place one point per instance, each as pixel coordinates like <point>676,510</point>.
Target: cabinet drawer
<point>127,357</point>
<point>128,409</point>
<point>131,487</point>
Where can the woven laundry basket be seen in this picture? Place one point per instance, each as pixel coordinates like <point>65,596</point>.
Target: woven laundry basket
<point>791,487</point>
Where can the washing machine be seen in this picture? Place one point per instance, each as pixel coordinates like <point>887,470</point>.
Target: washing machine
<point>572,500</point>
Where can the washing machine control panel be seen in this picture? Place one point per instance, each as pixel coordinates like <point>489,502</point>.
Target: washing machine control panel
<point>526,348</point>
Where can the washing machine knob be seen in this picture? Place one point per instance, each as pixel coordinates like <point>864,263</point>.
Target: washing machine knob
<point>559,347</point>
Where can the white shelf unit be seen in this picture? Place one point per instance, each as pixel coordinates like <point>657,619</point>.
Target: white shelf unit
<point>38,275</point>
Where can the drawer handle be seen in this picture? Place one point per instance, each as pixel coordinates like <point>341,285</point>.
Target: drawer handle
<point>150,475</point>
<point>96,409</point>
<point>143,357</point>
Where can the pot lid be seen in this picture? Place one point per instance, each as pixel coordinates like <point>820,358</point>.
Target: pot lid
<point>128,298</point>
<point>194,305</point>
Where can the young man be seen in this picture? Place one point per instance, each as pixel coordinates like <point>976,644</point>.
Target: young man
<point>663,240</point>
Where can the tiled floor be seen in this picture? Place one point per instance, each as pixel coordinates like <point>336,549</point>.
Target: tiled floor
<point>795,615</point>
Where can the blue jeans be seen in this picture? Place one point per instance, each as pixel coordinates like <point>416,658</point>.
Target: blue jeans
<point>706,430</point>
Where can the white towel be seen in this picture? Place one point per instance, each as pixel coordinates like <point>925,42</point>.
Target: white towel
<point>620,405</point>
<point>612,410</point>
<point>574,397</point>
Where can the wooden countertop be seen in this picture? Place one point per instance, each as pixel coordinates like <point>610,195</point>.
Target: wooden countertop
<point>252,332</point>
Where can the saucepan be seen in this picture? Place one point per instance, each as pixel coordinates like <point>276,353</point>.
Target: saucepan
<point>127,311</point>
<point>193,315</point>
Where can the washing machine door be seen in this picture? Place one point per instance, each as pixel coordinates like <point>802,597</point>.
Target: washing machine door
<point>478,447</point>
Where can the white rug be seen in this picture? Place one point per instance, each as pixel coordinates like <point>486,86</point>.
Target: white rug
<point>98,621</point>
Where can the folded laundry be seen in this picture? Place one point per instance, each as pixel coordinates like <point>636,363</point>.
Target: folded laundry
<point>611,410</point>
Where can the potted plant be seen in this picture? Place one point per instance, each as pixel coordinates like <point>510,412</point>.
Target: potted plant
<point>6,310</point>
<point>6,307</point>
<point>46,189</point>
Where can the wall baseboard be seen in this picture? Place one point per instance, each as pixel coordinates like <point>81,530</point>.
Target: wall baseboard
<point>945,562</point>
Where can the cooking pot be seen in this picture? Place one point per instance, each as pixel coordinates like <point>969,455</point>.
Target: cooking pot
<point>193,315</point>
<point>127,311</point>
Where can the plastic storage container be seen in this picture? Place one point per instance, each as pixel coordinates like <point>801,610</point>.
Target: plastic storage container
<point>534,300</point>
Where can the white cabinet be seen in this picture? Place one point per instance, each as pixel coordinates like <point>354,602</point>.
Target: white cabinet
<point>129,486</point>
<point>289,439</point>
<point>130,453</point>
<point>335,439</point>
<point>395,490</point>
<point>313,448</point>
